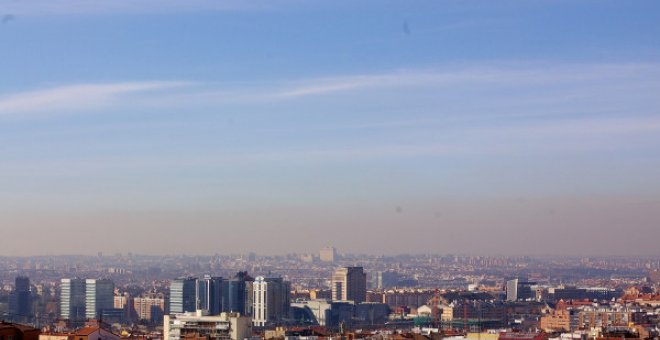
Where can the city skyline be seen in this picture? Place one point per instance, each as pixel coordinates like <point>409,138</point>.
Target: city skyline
<point>194,127</point>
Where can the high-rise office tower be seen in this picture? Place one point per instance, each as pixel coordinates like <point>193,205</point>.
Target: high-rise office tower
<point>183,295</point>
<point>349,283</point>
<point>20,301</point>
<point>99,296</point>
<point>209,294</point>
<point>237,294</point>
<point>215,295</point>
<point>72,299</point>
<point>271,301</point>
<point>204,293</point>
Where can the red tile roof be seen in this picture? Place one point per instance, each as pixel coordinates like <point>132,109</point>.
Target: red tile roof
<point>86,331</point>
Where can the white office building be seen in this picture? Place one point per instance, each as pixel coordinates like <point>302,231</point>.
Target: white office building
<point>226,326</point>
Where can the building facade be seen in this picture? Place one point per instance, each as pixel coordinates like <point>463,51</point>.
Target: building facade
<point>149,308</point>
<point>237,294</point>
<point>349,284</point>
<point>99,297</point>
<point>72,299</point>
<point>271,301</point>
<point>20,301</point>
<point>327,254</point>
<point>183,295</point>
<point>226,326</point>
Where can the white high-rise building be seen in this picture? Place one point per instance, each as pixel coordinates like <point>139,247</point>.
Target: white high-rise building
<point>512,290</point>
<point>271,300</point>
<point>260,301</point>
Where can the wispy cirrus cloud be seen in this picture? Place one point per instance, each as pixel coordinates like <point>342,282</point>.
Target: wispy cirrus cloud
<point>75,98</point>
<point>522,74</point>
<point>513,90</point>
<point>331,85</point>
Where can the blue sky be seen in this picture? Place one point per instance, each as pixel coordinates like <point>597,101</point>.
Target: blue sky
<point>298,124</point>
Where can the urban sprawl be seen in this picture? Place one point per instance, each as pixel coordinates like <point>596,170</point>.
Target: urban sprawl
<point>328,295</point>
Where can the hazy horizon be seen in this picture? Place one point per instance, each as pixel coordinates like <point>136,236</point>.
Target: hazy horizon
<point>200,127</point>
<point>340,256</point>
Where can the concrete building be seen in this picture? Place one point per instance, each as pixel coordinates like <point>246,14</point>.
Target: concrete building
<point>149,308</point>
<point>512,290</point>
<point>412,298</point>
<point>316,294</point>
<point>226,326</point>
<point>271,301</point>
<point>446,312</point>
<point>349,284</point>
<point>327,254</point>
<point>603,317</point>
<point>121,301</point>
<point>557,321</point>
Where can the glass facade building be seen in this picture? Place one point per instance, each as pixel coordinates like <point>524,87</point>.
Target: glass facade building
<point>99,296</point>
<point>183,295</point>
<point>72,299</point>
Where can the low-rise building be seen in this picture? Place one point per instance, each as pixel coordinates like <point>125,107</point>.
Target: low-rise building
<point>17,331</point>
<point>94,333</point>
<point>558,320</point>
<point>149,308</point>
<point>194,326</point>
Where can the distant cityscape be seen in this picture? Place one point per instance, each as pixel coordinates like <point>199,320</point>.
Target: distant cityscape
<point>305,296</point>
<point>329,170</point>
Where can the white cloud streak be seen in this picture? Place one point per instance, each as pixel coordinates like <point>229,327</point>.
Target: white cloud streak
<point>560,88</point>
<point>504,75</point>
<point>74,98</point>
